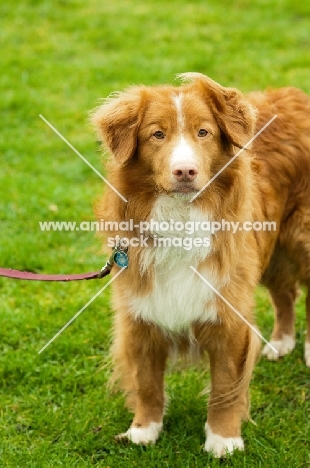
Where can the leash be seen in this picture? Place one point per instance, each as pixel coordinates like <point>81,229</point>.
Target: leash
<point>27,275</point>
<point>119,256</point>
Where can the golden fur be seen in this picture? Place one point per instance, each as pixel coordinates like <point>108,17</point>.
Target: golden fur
<point>269,182</point>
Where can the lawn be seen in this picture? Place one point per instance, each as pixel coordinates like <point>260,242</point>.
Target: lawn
<point>58,58</point>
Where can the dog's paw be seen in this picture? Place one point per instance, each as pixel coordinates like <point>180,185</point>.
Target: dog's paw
<point>219,446</point>
<point>284,346</point>
<point>307,354</point>
<point>142,435</point>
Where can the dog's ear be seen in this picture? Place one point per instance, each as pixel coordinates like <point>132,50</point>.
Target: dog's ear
<point>235,115</point>
<point>117,122</point>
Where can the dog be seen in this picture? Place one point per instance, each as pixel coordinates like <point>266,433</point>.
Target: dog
<point>166,143</point>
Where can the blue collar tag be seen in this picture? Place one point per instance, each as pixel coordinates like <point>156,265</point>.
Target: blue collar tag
<point>120,258</point>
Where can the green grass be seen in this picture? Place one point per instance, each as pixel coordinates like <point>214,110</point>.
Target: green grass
<point>57,59</point>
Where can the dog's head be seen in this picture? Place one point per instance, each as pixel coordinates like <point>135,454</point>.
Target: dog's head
<point>175,138</point>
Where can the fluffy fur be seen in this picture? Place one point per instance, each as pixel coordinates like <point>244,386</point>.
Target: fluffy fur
<point>165,144</point>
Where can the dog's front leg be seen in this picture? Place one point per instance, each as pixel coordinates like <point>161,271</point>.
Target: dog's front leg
<point>140,352</point>
<point>233,353</point>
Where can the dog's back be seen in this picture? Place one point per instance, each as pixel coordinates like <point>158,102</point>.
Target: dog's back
<point>283,165</point>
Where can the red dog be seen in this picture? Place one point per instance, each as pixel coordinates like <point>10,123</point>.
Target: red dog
<point>166,144</point>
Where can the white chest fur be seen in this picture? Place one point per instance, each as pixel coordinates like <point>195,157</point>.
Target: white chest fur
<point>178,296</point>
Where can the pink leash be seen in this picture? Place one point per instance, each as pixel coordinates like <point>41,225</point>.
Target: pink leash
<point>119,256</point>
<point>27,275</point>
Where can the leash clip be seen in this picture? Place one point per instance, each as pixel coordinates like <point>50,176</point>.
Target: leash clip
<point>118,256</point>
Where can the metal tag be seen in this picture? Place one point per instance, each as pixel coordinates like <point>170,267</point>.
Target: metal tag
<point>120,258</point>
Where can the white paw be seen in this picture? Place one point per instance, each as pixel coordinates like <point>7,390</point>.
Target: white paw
<point>142,435</point>
<point>284,346</point>
<point>219,445</point>
<point>307,354</point>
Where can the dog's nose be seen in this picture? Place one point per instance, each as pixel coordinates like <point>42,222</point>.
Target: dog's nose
<point>184,172</point>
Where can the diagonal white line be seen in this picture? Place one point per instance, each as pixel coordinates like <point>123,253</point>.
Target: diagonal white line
<point>80,311</point>
<point>82,157</point>
<point>232,159</point>
<point>235,310</point>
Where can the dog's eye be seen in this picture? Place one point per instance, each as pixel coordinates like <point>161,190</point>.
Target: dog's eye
<point>159,135</point>
<point>203,133</point>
